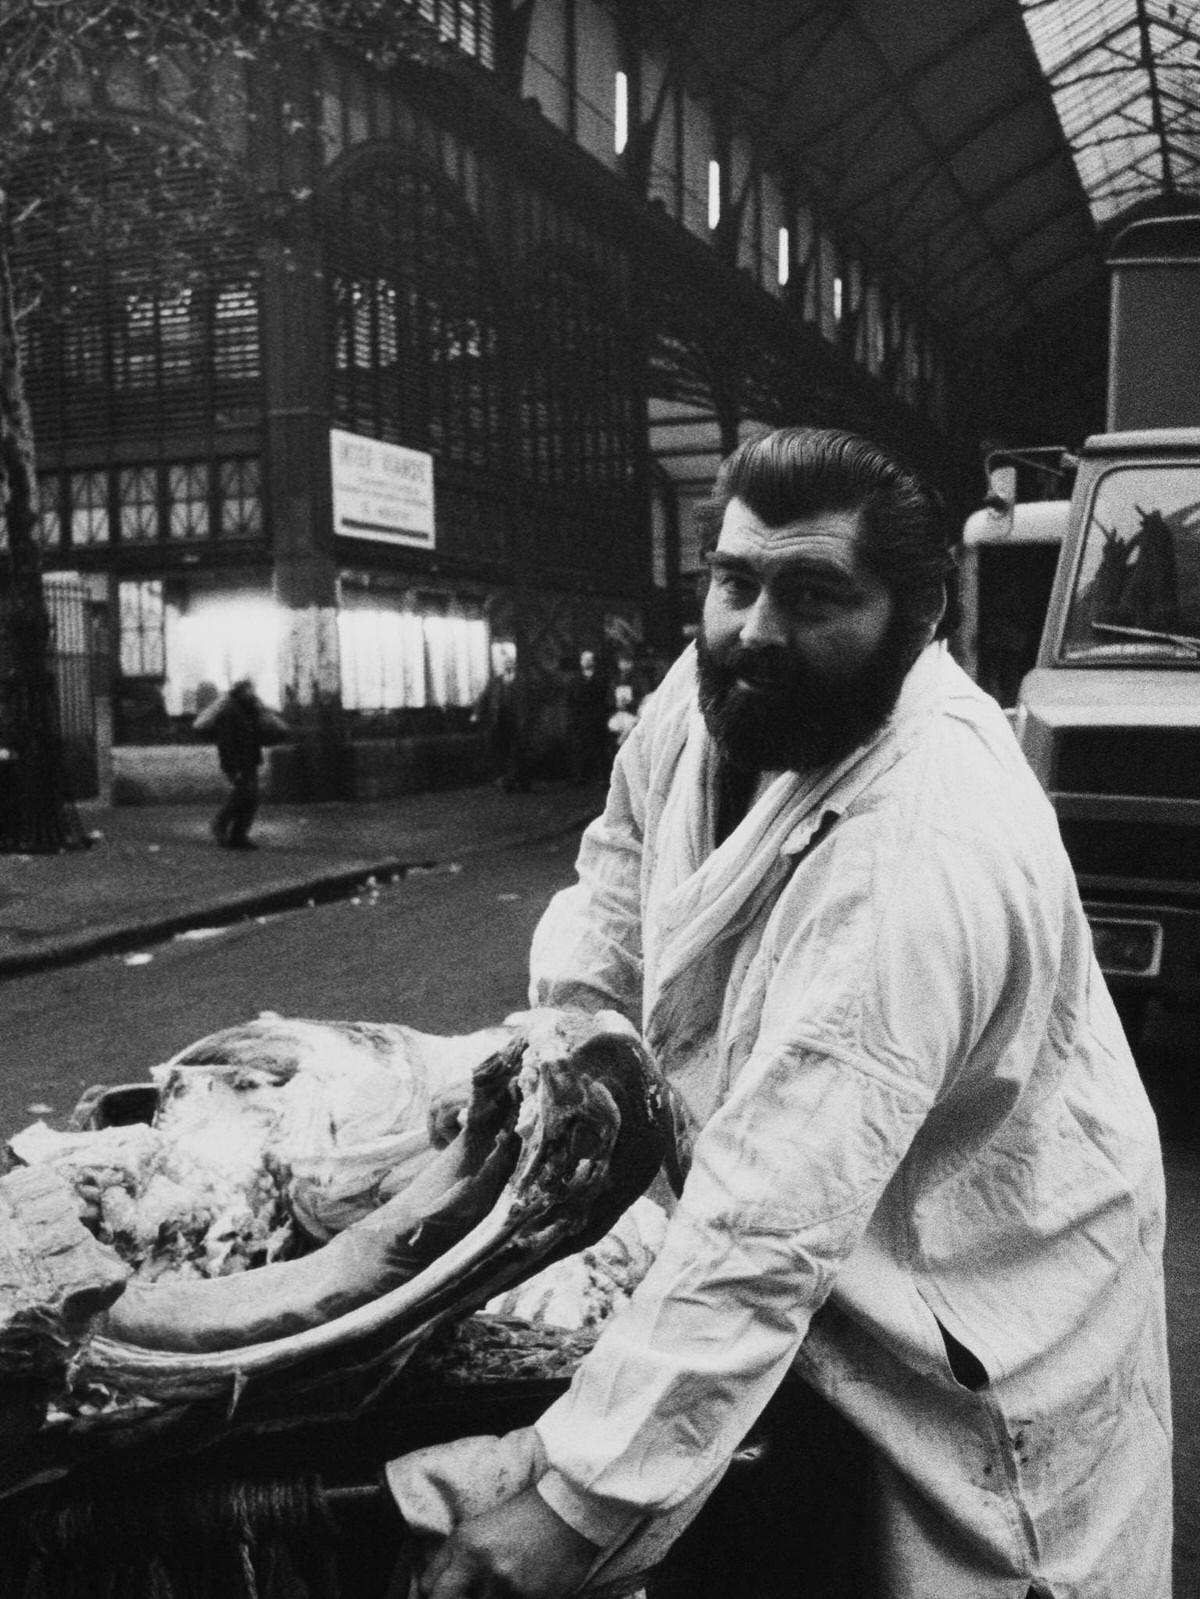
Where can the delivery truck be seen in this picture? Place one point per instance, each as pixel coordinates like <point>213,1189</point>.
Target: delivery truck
<point>1109,716</point>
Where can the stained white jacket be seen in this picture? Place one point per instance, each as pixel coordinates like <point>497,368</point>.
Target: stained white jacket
<point>880,1001</point>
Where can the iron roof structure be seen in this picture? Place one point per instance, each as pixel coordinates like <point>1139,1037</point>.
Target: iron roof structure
<point>1126,84</point>
<point>978,149</point>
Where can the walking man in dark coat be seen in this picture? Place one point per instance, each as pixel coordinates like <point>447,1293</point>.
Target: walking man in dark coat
<point>240,724</point>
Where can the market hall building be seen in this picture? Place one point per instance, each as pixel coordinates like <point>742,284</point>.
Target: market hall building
<point>422,354</point>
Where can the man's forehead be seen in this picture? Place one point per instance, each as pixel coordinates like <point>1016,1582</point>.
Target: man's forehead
<point>829,539</point>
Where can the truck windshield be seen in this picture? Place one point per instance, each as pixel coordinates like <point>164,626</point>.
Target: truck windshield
<point>1136,598</point>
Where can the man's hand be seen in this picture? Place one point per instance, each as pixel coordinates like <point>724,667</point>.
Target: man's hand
<point>520,1550</point>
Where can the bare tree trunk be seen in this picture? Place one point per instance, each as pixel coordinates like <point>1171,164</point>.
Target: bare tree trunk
<point>35,811</point>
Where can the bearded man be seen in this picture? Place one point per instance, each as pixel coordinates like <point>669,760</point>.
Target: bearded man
<point>926,1177</point>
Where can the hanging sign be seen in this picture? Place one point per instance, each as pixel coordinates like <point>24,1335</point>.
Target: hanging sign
<point>381,491</point>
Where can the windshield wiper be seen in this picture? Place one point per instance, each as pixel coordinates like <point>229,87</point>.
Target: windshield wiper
<point>1182,641</point>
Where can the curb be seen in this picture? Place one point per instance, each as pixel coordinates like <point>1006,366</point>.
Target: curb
<point>115,938</point>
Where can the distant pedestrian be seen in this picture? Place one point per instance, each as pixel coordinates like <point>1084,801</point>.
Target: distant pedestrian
<point>629,689</point>
<point>240,725</point>
<point>587,722</point>
<point>631,682</point>
<point>502,711</point>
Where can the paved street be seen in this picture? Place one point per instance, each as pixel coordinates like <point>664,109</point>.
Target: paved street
<point>444,949</point>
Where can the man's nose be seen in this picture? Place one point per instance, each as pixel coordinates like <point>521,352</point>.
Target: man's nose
<point>764,623</point>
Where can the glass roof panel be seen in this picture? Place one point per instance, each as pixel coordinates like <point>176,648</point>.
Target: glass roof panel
<point>1125,75</point>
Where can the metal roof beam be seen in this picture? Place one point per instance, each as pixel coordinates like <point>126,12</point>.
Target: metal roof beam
<point>987,198</point>
<point>1106,115</point>
<point>785,90</point>
<point>924,177</point>
<point>930,145</point>
<point>983,26</point>
<point>1093,77</point>
<point>1151,66</point>
<point>969,134</point>
<point>941,284</point>
<point>1103,41</point>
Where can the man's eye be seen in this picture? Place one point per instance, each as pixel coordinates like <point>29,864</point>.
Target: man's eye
<point>734,585</point>
<point>808,597</point>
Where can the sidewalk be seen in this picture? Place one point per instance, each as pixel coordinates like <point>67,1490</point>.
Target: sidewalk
<point>154,870</point>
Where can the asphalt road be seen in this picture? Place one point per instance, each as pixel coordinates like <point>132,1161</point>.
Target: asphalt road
<point>446,951</point>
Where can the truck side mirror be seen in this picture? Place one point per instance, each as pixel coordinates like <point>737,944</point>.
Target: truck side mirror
<point>1002,487</point>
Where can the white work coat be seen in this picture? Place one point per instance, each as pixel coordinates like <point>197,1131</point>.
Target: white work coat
<point>918,1115</point>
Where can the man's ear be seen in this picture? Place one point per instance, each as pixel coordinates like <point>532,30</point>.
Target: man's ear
<point>949,617</point>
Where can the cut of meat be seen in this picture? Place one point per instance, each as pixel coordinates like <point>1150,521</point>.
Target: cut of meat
<point>337,1112</point>
<point>268,1138</point>
<point>555,1135</point>
<point>566,1126</point>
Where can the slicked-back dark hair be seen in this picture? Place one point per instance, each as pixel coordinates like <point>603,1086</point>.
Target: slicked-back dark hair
<point>796,473</point>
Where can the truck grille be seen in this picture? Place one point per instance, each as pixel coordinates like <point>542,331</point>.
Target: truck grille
<point>1148,762</point>
<point>1123,849</point>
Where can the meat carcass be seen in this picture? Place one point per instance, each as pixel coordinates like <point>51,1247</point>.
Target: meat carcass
<point>528,1157</point>
<point>266,1138</point>
<point>566,1125</point>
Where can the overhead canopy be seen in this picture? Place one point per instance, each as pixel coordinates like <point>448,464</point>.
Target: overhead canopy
<point>1126,81</point>
<point>973,148</point>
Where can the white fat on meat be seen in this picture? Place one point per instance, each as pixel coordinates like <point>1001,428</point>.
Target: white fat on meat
<point>269,1137</point>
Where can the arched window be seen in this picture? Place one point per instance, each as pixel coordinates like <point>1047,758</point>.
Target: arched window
<point>415,342</point>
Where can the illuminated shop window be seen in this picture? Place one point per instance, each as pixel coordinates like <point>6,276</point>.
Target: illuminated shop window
<point>88,493</point>
<point>406,659</point>
<point>215,636</point>
<point>141,619</point>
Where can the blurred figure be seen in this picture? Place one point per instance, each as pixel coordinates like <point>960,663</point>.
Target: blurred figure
<point>241,726</point>
<point>629,688</point>
<point>587,722</point>
<point>503,714</point>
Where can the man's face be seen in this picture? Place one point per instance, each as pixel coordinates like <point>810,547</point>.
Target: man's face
<point>801,649</point>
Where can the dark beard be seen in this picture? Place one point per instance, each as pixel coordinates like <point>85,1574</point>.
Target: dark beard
<point>794,718</point>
